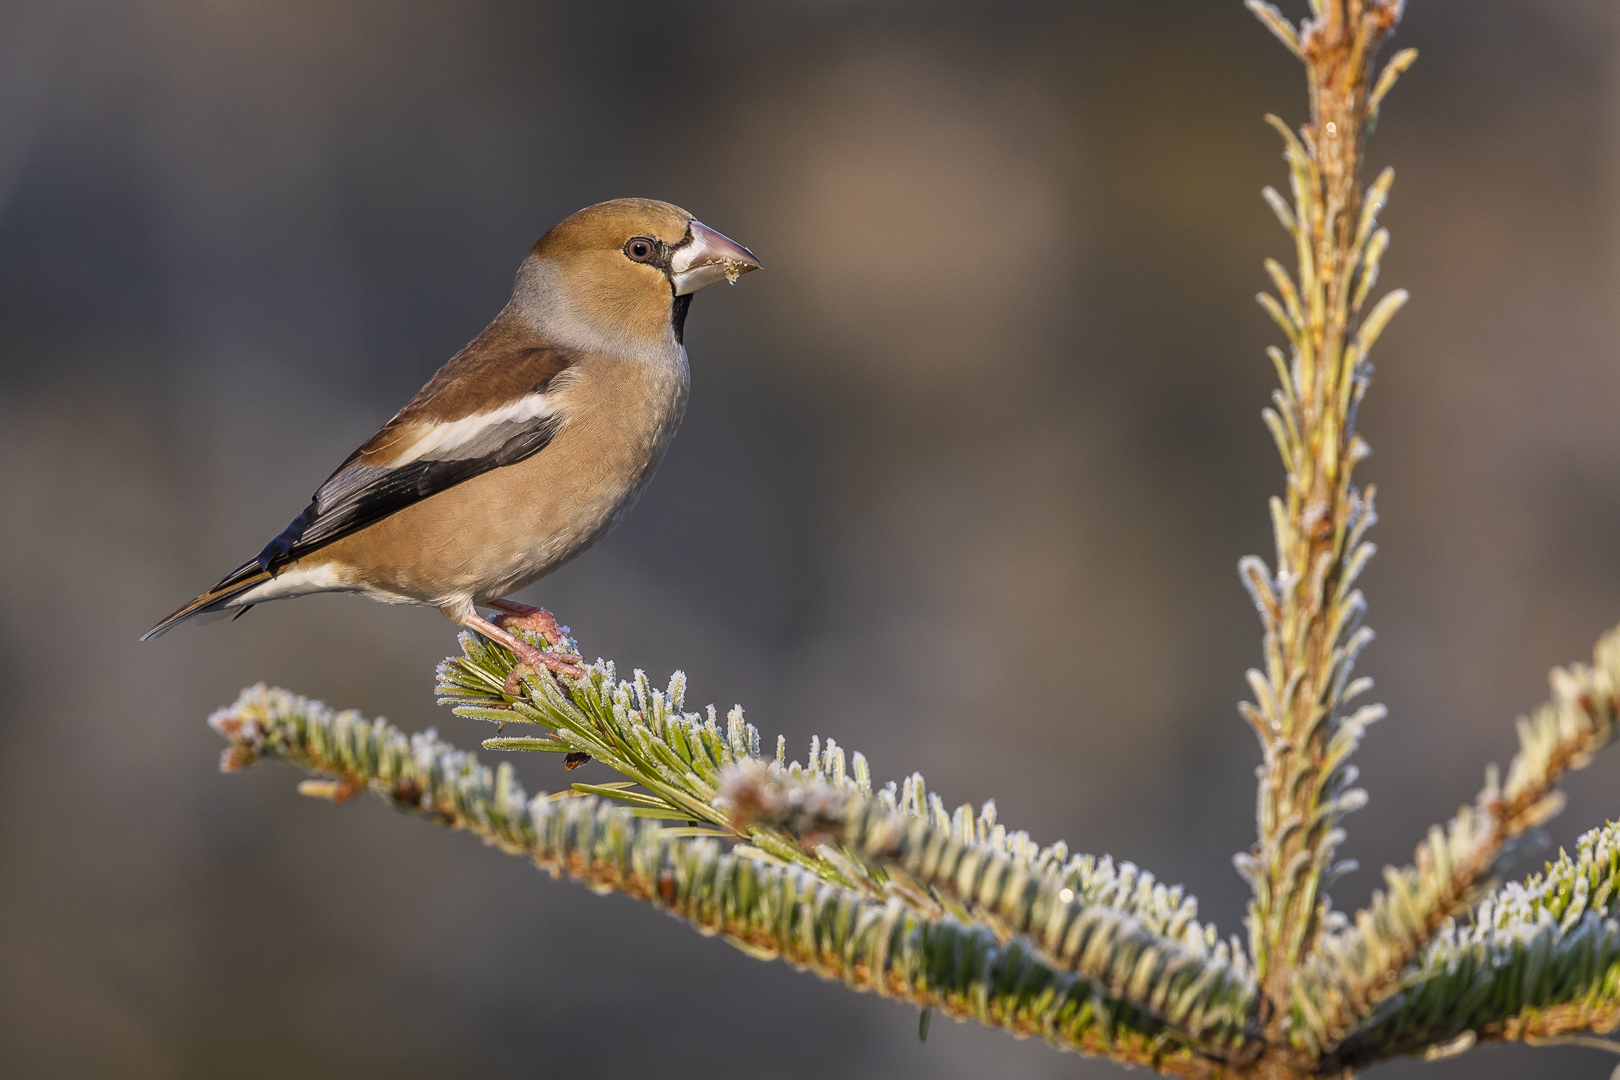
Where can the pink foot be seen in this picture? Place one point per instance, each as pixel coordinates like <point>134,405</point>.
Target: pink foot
<point>535,619</point>
<point>530,659</point>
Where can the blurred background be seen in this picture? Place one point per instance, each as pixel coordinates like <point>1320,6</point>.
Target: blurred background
<point>964,481</point>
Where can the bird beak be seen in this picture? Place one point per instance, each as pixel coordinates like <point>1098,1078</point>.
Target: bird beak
<point>707,258</point>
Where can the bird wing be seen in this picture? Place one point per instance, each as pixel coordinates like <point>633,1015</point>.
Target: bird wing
<point>495,403</point>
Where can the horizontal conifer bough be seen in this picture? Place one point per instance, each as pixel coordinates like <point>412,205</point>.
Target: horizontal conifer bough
<point>885,890</point>
<point>1539,961</point>
<point>1131,974</point>
<point>1366,963</point>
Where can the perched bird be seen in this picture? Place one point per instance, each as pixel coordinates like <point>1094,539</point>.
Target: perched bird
<point>524,449</point>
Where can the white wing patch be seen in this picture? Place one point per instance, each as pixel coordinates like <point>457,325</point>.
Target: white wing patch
<point>468,437</point>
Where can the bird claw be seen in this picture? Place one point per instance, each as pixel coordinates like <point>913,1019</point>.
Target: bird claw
<point>531,660</point>
<point>513,686</point>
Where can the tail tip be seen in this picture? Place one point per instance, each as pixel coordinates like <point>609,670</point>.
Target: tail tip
<point>163,627</point>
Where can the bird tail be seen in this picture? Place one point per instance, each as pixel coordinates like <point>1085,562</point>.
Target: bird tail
<point>217,599</point>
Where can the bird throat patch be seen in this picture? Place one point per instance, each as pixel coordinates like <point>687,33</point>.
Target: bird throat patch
<point>678,317</point>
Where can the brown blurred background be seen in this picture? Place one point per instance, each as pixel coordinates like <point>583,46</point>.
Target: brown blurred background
<point>964,481</point>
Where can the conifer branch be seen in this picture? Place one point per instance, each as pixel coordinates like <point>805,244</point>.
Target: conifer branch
<point>1138,939</point>
<point>753,901</point>
<point>1309,608</point>
<point>672,760</point>
<point>1367,963</point>
<point>1540,961</point>
<point>680,764</point>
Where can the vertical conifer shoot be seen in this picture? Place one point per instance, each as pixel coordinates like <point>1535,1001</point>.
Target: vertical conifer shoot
<point>886,890</point>
<point>1310,608</point>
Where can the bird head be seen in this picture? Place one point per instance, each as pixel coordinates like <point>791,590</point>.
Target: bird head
<point>624,269</point>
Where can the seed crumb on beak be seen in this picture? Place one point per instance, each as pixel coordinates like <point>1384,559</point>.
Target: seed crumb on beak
<point>706,258</point>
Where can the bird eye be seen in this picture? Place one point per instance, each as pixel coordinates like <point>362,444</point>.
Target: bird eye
<point>640,249</point>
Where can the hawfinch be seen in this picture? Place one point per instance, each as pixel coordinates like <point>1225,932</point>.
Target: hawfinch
<point>524,449</point>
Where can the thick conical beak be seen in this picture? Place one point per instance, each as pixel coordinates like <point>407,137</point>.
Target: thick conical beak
<point>707,258</point>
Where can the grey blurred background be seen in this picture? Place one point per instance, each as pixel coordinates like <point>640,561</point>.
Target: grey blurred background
<point>965,477</point>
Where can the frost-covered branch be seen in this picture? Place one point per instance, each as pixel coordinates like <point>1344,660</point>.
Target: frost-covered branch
<point>672,760</point>
<point>770,910</point>
<point>682,765</point>
<point>1540,961</point>
<point>1366,963</point>
<point>1309,607</point>
<point>1118,927</point>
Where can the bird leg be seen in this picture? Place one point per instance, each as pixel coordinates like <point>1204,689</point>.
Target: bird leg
<point>525,617</point>
<point>535,659</point>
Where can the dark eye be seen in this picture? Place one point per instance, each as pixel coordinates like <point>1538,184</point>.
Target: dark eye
<point>641,250</point>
